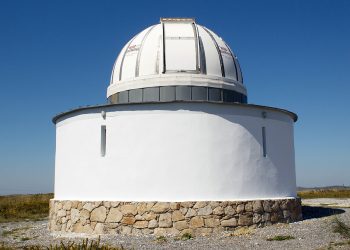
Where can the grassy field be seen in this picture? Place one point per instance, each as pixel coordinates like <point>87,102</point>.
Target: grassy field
<point>24,207</point>
<point>324,193</point>
<point>36,207</point>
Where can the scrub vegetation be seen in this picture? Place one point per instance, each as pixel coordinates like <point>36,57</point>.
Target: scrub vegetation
<point>341,228</point>
<point>24,207</point>
<point>344,230</point>
<point>186,236</point>
<point>161,239</point>
<point>324,193</point>
<point>84,245</point>
<point>280,238</point>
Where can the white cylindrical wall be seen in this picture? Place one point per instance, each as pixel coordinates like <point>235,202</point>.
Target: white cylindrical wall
<point>175,152</point>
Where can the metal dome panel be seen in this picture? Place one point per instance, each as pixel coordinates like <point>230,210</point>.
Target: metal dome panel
<point>210,53</point>
<point>176,52</point>
<point>128,66</point>
<point>179,43</point>
<point>149,52</point>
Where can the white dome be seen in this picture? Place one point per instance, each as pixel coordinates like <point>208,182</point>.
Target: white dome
<point>176,52</point>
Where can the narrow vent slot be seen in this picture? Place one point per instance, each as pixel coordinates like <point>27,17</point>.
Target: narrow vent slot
<point>103,140</point>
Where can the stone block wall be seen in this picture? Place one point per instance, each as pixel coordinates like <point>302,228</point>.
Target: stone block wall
<point>169,218</point>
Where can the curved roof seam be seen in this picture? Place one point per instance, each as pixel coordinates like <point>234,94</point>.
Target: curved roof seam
<point>196,35</point>
<point>126,51</point>
<point>233,59</point>
<point>218,50</point>
<point>137,68</point>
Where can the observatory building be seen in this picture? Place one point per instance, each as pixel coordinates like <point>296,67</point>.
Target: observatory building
<point>177,148</point>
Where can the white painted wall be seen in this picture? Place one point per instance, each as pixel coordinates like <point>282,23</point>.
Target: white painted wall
<point>175,152</point>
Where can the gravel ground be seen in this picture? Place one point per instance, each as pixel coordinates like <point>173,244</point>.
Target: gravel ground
<point>341,202</point>
<point>314,232</point>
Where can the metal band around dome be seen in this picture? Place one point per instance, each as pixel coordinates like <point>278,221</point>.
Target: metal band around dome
<point>218,50</point>
<point>137,68</point>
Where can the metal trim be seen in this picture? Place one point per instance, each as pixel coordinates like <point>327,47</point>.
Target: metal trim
<point>234,60</point>
<point>203,62</point>
<point>112,76</point>
<point>180,38</point>
<point>157,59</point>
<point>240,71</point>
<point>176,19</point>
<point>218,50</point>
<point>164,61</point>
<point>137,68</point>
<point>196,37</point>
<point>122,62</point>
<point>181,71</point>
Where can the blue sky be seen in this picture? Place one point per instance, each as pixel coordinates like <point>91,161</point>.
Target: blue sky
<point>58,55</point>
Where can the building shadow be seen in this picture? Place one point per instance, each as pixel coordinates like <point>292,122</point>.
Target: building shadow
<point>310,212</point>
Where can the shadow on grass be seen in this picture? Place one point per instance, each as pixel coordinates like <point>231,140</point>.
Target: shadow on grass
<point>310,212</point>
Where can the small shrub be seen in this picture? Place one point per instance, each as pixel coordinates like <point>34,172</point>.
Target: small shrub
<point>280,238</point>
<point>341,228</point>
<point>11,232</point>
<point>343,243</point>
<point>161,239</point>
<point>186,236</point>
<point>6,233</point>
<point>242,231</point>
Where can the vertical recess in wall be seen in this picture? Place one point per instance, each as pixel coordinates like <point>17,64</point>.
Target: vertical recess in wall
<point>103,140</point>
<point>263,132</point>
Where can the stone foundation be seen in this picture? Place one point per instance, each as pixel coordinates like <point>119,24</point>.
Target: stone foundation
<point>169,218</point>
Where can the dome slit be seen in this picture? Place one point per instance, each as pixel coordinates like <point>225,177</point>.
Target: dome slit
<point>218,50</point>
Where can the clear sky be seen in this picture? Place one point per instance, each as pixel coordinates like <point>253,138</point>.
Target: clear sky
<point>58,55</point>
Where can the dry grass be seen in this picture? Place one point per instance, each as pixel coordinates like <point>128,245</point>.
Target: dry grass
<point>24,207</point>
<point>324,193</point>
